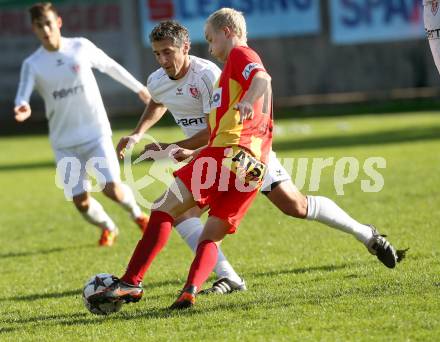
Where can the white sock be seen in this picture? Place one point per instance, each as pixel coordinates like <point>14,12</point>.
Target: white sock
<point>324,210</point>
<point>96,215</point>
<point>129,202</point>
<point>190,231</point>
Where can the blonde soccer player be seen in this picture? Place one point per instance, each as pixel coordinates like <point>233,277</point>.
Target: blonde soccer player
<point>240,133</point>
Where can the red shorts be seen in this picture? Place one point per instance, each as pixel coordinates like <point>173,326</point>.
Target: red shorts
<point>225,178</point>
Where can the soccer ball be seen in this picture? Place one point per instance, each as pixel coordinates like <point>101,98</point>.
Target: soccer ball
<point>95,303</point>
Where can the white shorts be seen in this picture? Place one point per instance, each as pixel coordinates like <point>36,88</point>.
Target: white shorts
<point>276,174</point>
<point>75,164</point>
<point>431,17</point>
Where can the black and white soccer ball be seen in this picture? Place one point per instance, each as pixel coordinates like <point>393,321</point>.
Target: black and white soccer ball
<point>92,296</point>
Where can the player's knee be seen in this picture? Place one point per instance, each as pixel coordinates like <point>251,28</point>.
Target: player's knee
<point>295,206</point>
<point>111,191</point>
<point>183,217</point>
<point>193,212</point>
<point>81,202</point>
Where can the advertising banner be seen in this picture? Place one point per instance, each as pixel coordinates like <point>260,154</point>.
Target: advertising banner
<point>264,18</point>
<point>361,21</point>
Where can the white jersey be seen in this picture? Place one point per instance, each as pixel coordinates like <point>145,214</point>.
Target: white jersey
<point>189,101</point>
<point>189,98</point>
<point>65,80</point>
<point>431,16</point>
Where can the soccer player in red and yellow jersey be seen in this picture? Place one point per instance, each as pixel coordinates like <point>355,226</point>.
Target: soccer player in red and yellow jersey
<point>242,67</point>
<point>240,121</point>
<point>226,174</point>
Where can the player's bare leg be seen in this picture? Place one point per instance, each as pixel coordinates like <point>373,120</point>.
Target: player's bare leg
<point>288,199</point>
<point>122,194</point>
<point>193,212</point>
<point>94,213</point>
<point>322,209</point>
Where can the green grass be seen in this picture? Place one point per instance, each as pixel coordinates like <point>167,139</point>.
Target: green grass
<point>306,282</point>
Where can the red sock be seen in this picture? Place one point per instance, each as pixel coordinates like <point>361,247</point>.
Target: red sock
<point>203,264</point>
<point>154,239</point>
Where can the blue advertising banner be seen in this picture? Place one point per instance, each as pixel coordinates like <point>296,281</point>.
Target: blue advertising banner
<point>264,18</point>
<point>360,21</point>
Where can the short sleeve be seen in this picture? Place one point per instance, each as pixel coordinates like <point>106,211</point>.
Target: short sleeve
<point>207,82</point>
<point>245,63</point>
<point>152,89</point>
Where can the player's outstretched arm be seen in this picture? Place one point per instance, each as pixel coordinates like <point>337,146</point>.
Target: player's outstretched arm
<point>104,63</point>
<point>22,108</point>
<point>144,95</point>
<point>260,84</point>
<point>199,139</point>
<point>183,154</point>
<point>22,112</point>
<point>152,114</point>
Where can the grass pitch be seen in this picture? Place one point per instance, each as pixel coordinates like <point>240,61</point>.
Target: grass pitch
<point>306,282</point>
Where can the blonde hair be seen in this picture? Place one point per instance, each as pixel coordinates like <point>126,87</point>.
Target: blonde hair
<point>231,18</point>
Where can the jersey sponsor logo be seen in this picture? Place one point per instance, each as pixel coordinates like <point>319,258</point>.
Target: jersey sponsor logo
<point>75,68</point>
<point>194,92</point>
<point>433,34</point>
<point>302,16</point>
<point>216,100</point>
<point>190,121</point>
<point>247,167</point>
<point>62,93</point>
<point>179,91</point>
<point>248,69</point>
<point>60,62</point>
<point>360,21</point>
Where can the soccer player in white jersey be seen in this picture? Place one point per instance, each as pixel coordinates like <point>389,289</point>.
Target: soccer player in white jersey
<point>183,85</point>
<point>431,16</point>
<point>79,130</point>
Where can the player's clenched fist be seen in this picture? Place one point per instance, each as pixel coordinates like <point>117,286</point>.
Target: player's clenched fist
<point>22,112</point>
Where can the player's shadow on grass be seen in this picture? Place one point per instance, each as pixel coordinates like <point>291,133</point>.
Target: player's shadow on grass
<point>363,139</point>
<point>155,284</point>
<point>43,251</point>
<point>144,313</point>
<point>216,305</point>
<point>27,166</point>
<point>51,319</point>
<point>77,292</point>
<point>5,330</point>
<point>38,296</point>
<point>326,268</point>
<point>86,318</point>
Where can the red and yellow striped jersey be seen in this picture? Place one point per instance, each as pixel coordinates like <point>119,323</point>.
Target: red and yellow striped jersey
<point>253,135</point>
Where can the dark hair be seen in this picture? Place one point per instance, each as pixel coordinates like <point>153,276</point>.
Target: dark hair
<point>170,29</point>
<point>40,9</point>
